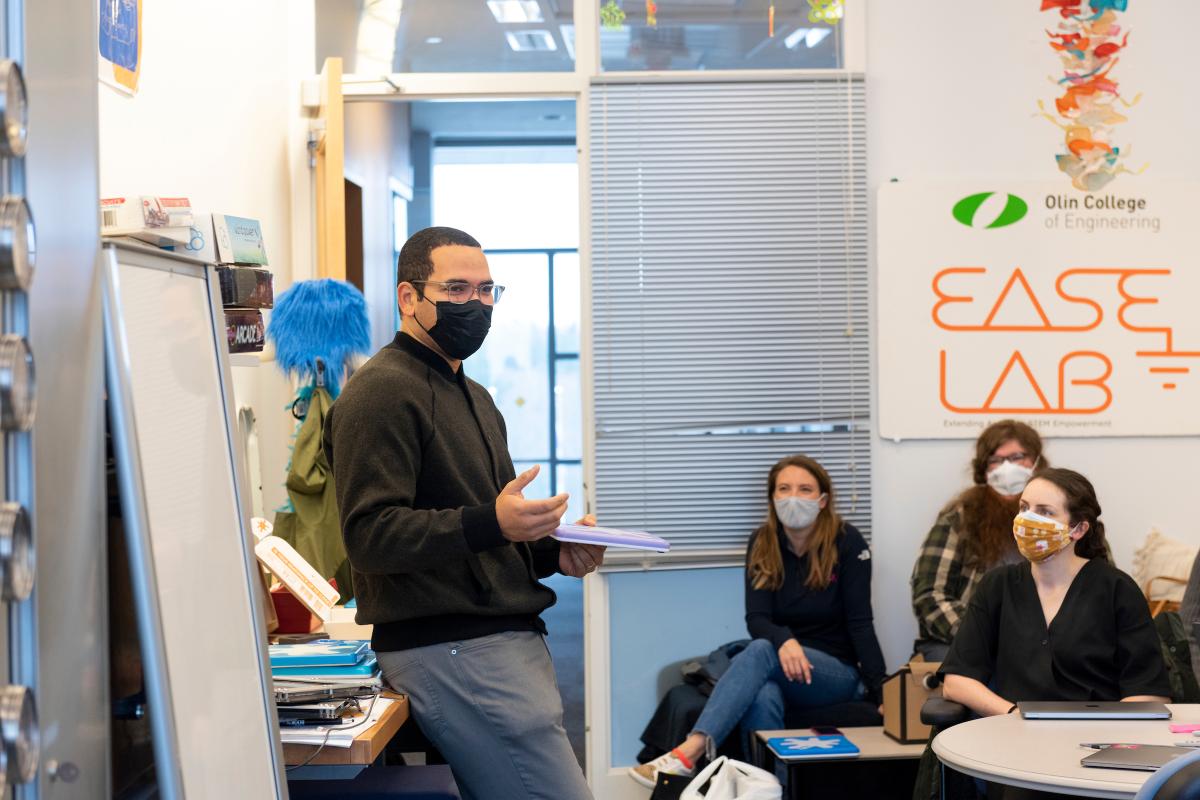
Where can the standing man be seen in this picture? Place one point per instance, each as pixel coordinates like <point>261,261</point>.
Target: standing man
<point>445,548</point>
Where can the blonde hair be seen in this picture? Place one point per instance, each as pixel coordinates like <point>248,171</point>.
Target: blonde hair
<point>765,563</point>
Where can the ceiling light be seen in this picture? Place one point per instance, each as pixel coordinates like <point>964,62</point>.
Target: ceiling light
<point>515,10</point>
<point>811,37</point>
<point>537,41</point>
<point>434,40</point>
<point>816,36</point>
<point>795,37</point>
<point>568,37</point>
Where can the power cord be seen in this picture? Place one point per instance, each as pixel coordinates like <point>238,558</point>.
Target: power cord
<point>330,729</point>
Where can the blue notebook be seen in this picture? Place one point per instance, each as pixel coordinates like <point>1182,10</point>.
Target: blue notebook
<point>793,748</point>
<point>367,667</point>
<point>321,653</point>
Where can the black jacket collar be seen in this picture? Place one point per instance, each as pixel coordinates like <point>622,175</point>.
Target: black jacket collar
<point>410,345</point>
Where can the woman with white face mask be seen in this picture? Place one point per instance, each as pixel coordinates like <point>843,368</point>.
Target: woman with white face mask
<point>1064,624</point>
<point>808,609</point>
<point>973,533</point>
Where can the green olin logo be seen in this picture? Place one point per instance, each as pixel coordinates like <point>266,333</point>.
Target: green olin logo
<point>964,211</point>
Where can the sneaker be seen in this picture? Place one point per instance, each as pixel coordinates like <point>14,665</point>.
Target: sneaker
<point>673,763</point>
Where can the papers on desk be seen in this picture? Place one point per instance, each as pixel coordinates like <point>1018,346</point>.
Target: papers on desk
<point>339,735</point>
<point>610,537</point>
<point>795,748</point>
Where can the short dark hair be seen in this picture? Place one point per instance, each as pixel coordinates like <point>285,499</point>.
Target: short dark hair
<point>415,262</point>
<point>1082,506</point>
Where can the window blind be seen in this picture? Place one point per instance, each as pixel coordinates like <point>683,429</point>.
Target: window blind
<point>729,301</point>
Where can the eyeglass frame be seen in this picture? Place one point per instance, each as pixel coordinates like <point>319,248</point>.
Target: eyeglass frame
<point>1012,458</point>
<point>497,290</point>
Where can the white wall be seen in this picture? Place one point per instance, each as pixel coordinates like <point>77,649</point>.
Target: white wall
<point>952,94</point>
<point>376,157</point>
<point>217,118</point>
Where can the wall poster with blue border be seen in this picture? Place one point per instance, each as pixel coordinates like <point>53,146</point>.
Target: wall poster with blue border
<point>120,43</point>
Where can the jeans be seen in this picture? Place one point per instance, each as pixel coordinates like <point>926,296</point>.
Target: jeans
<point>491,707</point>
<point>755,692</point>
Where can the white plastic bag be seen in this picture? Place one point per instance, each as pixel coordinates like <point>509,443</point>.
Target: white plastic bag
<point>733,780</point>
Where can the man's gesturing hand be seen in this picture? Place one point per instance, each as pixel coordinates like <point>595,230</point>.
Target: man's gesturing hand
<point>524,520</point>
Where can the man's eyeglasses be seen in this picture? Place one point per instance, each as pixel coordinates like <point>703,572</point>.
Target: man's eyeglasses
<point>1012,458</point>
<point>461,291</point>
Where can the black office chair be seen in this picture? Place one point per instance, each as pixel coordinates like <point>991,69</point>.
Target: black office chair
<point>939,712</point>
<point>933,779</point>
<point>1178,780</point>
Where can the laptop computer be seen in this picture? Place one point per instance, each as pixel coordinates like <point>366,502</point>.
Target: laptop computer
<point>1092,710</point>
<point>1146,757</point>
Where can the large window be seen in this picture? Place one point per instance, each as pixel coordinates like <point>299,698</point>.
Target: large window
<point>708,35</point>
<point>521,203</point>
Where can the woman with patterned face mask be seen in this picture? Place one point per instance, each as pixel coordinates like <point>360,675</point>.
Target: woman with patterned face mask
<point>1064,624</point>
<point>973,533</point>
<point>808,609</point>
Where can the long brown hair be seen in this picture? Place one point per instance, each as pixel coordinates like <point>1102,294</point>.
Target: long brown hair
<point>765,564</point>
<point>1082,506</point>
<point>986,515</point>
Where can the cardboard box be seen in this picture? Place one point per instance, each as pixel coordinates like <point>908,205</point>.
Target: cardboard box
<point>904,692</point>
<point>245,330</point>
<point>202,244</point>
<point>239,240</point>
<point>246,287</point>
<point>161,221</point>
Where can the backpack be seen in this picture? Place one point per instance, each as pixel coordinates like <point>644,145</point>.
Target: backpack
<point>703,673</point>
<point>1178,657</point>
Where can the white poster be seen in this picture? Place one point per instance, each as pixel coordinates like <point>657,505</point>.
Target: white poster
<point>1078,313</point>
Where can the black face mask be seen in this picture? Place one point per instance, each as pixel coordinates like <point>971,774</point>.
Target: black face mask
<point>460,328</point>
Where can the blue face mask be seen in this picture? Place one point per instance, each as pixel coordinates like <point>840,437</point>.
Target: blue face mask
<point>797,512</point>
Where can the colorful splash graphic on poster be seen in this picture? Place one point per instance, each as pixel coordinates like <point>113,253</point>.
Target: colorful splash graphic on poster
<point>828,11</point>
<point>1089,41</point>
<point>120,43</point>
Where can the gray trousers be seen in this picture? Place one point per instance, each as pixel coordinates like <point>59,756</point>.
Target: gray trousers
<point>491,706</point>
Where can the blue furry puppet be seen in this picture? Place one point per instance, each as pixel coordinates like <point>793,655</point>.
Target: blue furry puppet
<point>317,326</point>
<point>322,320</point>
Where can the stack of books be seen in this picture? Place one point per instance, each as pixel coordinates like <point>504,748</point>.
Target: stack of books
<point>328,661</point>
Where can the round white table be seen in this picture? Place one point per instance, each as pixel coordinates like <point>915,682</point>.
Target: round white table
<point>1044,754</point>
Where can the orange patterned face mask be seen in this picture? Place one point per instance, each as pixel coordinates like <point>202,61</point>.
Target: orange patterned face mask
<point>1039,537</point>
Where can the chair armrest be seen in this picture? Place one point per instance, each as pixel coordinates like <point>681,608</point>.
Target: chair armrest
<point>942,713</point>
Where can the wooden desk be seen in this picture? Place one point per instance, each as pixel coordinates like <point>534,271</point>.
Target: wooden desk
<point>365,748</point>
<point>1044,754</point>
<point>848,777</point>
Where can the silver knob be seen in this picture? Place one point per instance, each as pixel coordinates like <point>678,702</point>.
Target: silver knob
<point>14,111</point>
<point>19,733</point>
<point>16,384</point>
<point>17,566</point>
<point>18,243</point>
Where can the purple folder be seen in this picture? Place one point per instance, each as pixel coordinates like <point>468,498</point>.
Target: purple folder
<point>610,537</point>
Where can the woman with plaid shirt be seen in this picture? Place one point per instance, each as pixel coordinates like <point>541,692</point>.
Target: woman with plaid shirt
<point>973,533</point>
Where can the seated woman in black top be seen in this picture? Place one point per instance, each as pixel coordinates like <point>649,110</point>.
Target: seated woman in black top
<point>808,609</point>
<point>1065,626</point>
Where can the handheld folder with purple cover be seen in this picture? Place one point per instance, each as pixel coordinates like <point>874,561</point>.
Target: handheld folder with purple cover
<point>610,537</point>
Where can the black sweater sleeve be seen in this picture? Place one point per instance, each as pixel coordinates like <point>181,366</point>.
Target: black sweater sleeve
<point>374,449</point>
<point>1139,663</point>
<point>760,608</point>
<point>855,580</point>
<point>975,648</point>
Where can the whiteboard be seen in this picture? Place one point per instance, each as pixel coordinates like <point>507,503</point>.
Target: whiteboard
<point>204,643</point>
